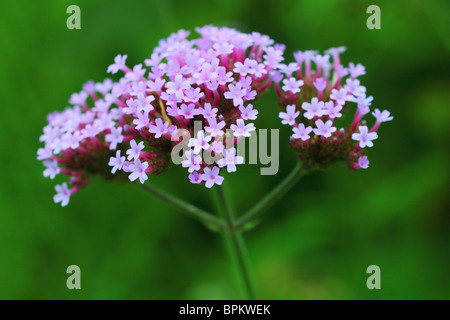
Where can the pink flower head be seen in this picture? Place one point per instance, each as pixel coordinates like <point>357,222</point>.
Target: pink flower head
<point>211,176</point>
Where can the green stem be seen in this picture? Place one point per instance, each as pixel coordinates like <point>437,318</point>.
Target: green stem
<point>269,200</point>
<point>185,207</point>
<point>238,250</point>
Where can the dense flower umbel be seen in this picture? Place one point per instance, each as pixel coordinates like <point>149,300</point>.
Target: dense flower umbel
<point>129,127</point>
<point>80,141</point>
<point>209,80</point>
<point>314,93</point>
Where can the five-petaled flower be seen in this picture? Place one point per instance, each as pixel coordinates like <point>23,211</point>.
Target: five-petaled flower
<point>364,137</point>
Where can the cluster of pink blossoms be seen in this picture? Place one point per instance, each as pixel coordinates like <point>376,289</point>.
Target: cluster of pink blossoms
<point>315,92</point>
<point>133,124</point>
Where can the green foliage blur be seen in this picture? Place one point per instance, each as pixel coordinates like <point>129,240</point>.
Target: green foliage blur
<point>314,244</point>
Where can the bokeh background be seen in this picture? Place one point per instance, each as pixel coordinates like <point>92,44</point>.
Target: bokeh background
<point>314,244</point>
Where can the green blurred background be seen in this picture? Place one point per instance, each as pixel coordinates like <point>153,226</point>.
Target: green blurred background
<point>315,244</point>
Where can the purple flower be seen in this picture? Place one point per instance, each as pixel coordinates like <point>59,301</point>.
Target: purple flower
<point>324,129</point>
<point>301,132</point>
<point>241,129</point>
<point>341,71</point>
<point>353,86</point>
<point>230,160</point>
<point>336,51</point>
<point>192,95</point>
<point>356,71</point>
<point>364,137</point>
<point>289,69</point>
<point>44,153</point>
<point>52,168</point>
<point>201,142</point>
<point>320,84</point>
<point>248,113</point>
<point>217,146</point>
<point>340,96</point>
<point>78,98</point>
<point>114,137</point>
<point>178,85</point>
<point>211,176</point>
<point>173,111</point>
<point>116,162</point>
<point>290,115</point>
<point>207,74</point>
<point>292,85</point>
<point>137,170</point>
<point>313,109</point>
<point>192,162</point>
<point>363,162</point>
<point>321,60</point>
<point>332,110</point>
<point>214,128</point>
<point>137,73</point>
<point>62,194</point>
<point>119,64</point>
<point>195,177</point>
<point>382,116</point>
<point>235,92</point>
<point>132,106</point>
<point>241,68</point>
<point>155,85</point>
<point>207,112</point>
<point>144,103</point>
<point>223,48</point>
<point>188,111</point>
<point>141,121</point>
<point>159,129</point>
<point>135,149</point>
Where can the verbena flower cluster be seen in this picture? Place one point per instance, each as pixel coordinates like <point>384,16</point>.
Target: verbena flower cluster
<point>133,123</point>
<point>315,92</point>
<point>199,94</point>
